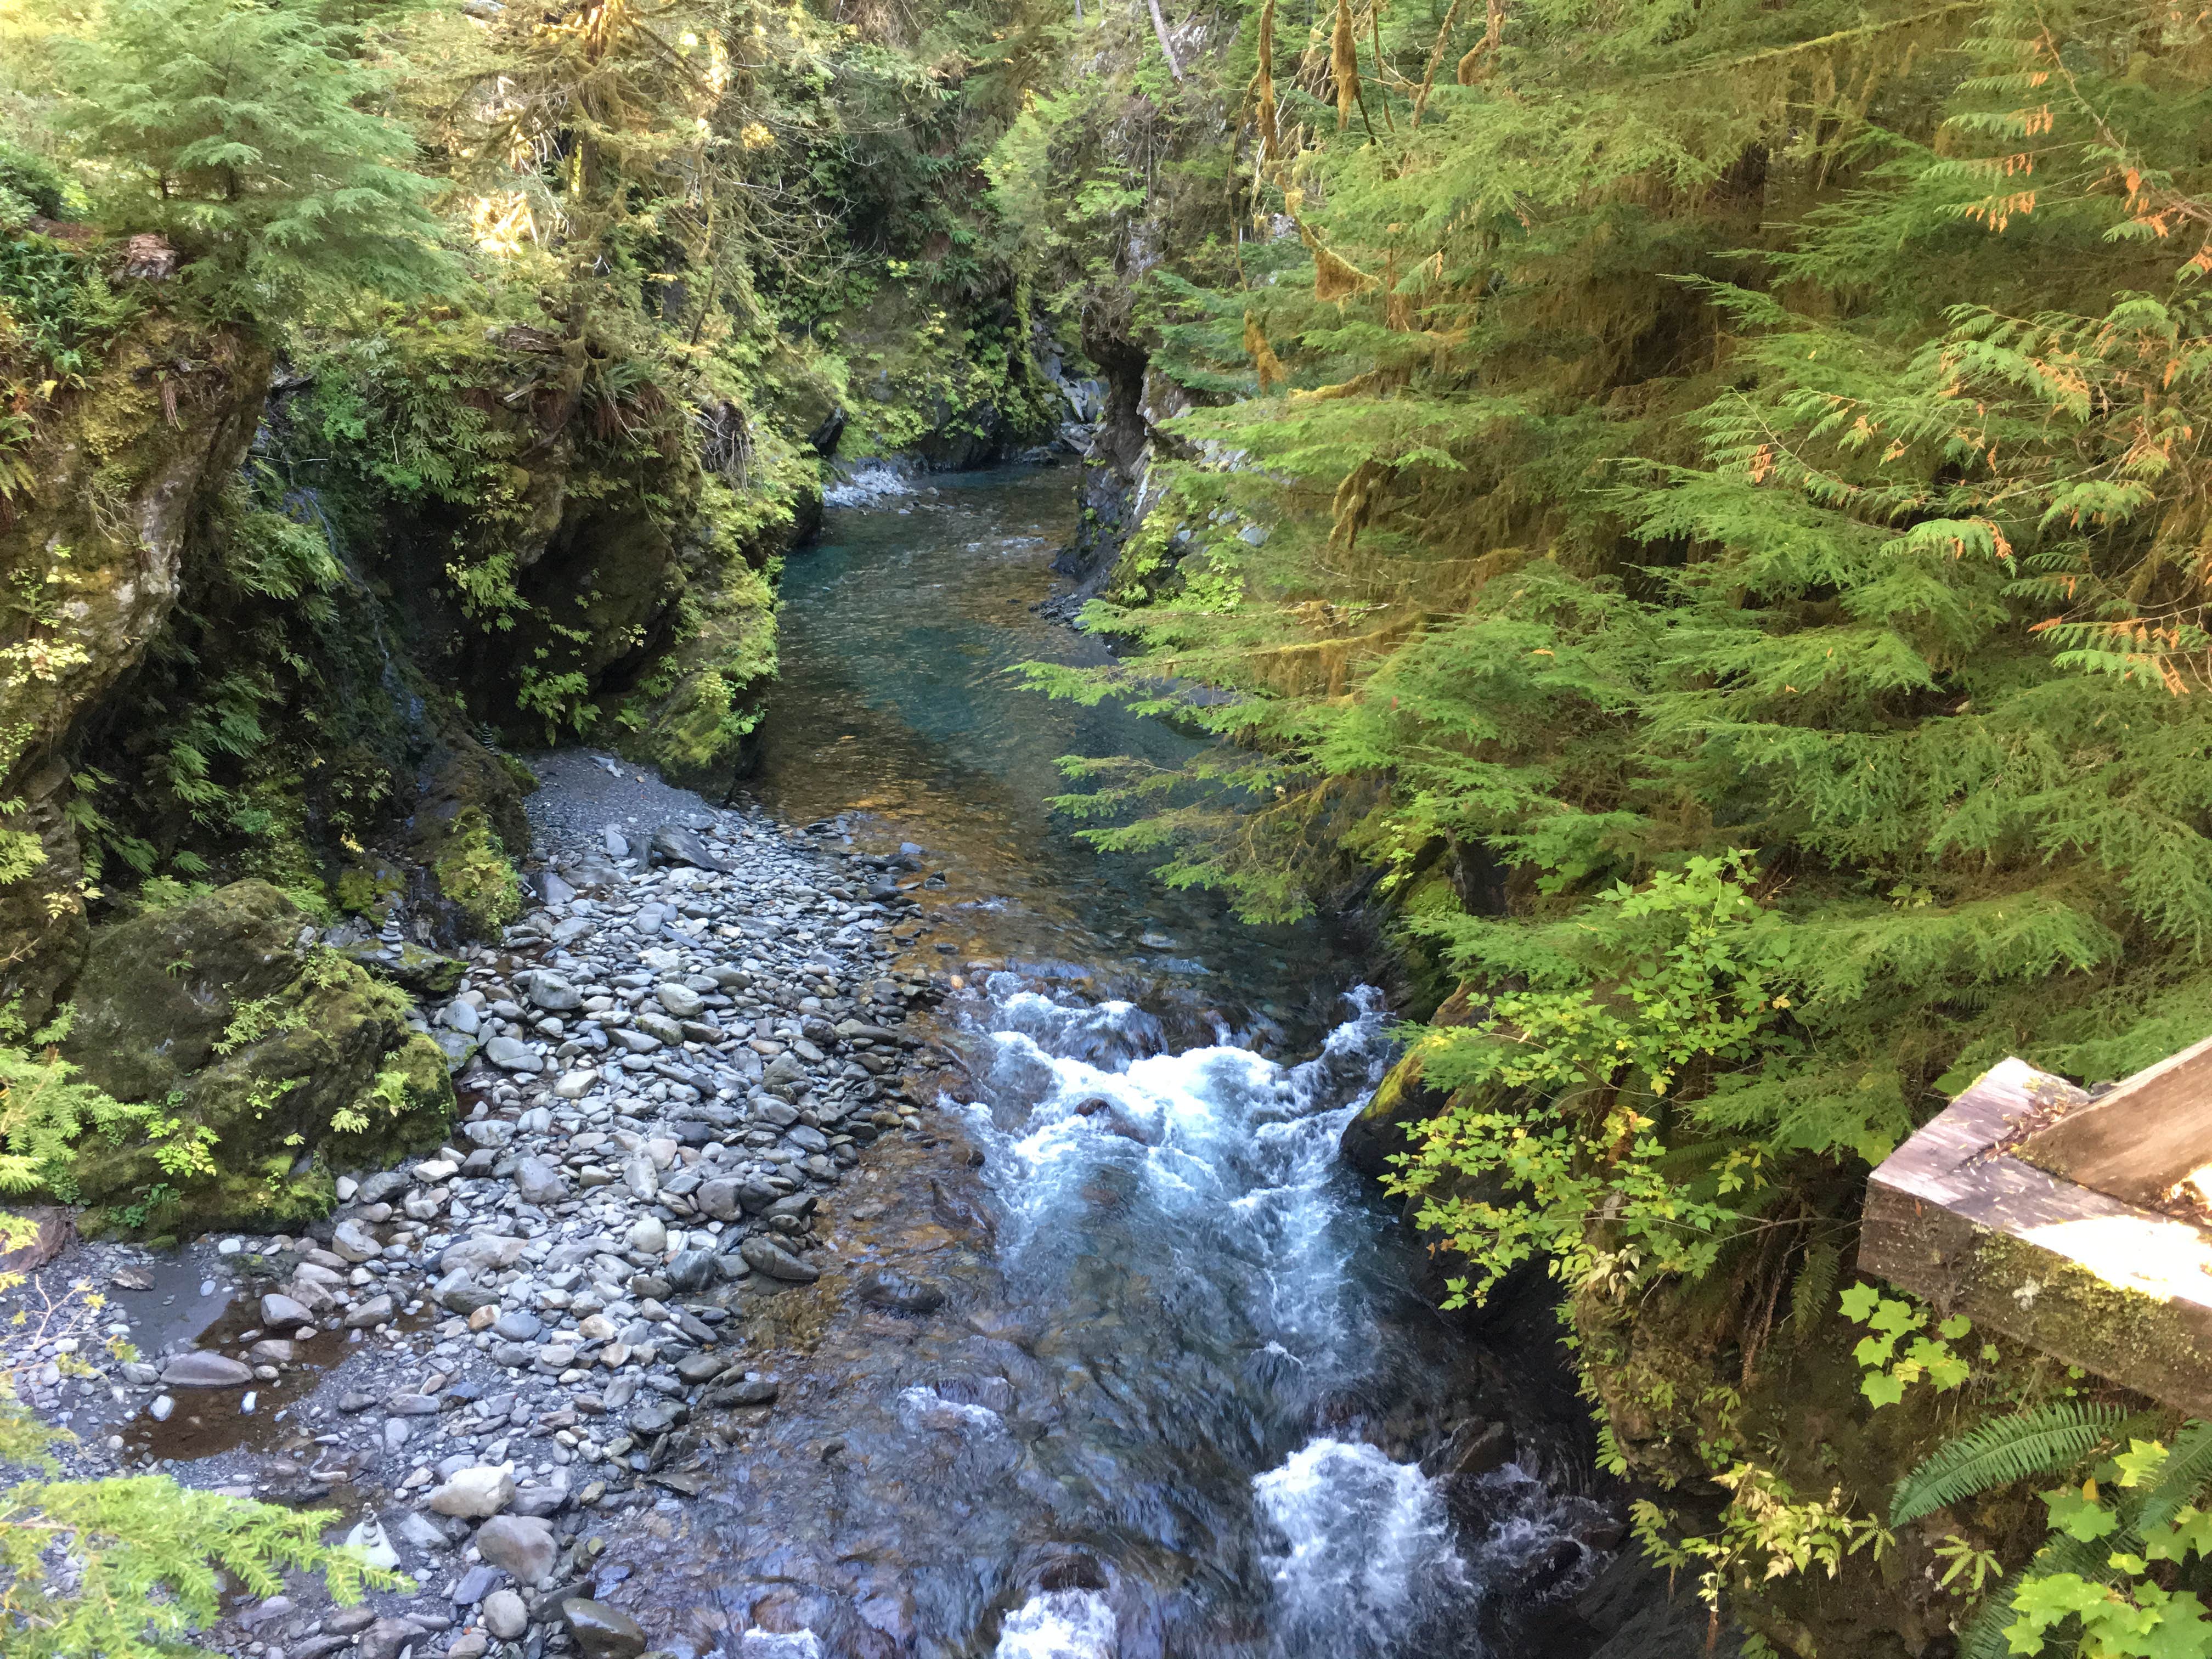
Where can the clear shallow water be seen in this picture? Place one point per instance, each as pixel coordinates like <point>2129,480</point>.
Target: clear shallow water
<point>1174,1398</point>
<point>895,705</point>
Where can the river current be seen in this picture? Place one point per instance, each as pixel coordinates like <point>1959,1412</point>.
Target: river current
<point>1144,1371</point>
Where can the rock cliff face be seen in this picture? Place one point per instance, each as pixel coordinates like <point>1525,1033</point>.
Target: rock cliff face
<point>95,554</point>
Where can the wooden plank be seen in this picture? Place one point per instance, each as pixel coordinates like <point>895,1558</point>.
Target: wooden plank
<point>2141,1138</point>
<point>2099,1283</point>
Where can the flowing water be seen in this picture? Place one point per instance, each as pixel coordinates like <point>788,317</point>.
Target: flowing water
<point>1127,1365</point>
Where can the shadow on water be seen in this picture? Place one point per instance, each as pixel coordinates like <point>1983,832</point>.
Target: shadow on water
<point>1118,1360</point>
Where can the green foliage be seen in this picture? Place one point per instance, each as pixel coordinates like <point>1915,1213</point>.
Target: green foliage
<point>1888,1321</point>
<point>253,152</point>
<point>45,1110</point>
<point>128,1568</point>
<point>2049,1439</point>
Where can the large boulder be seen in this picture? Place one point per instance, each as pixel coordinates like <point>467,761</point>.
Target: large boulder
<point>263,1062</point>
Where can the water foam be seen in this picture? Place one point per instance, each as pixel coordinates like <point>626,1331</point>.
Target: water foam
<point>868,484</point>
<point>1059,1625</point>
<point>1367,1547</point>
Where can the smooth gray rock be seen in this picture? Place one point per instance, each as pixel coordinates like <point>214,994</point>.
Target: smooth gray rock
<point>717,1199</point>
<point>555,995</point>
<point>539,1182</point>
<point>353,1240</point>
<point>513,1055</point>
<point>201,1369</point>
<point>283,1312</point>
<point>672,844</point>
<point>377,1310</point>
<point>518,1327</point>
<point>477,1582</point>
<point>680,1000</point>
<point>504,1615</point>
<point>481,1255</point>
<point>520,1544</point>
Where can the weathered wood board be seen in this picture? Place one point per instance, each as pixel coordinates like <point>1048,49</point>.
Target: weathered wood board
<point>2103,1284</point>
<point>2140,1140</point>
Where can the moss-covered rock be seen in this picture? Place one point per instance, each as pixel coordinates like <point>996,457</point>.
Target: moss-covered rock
<point>466,830</point>
<point>271,1062</point>
<point>92,554</point>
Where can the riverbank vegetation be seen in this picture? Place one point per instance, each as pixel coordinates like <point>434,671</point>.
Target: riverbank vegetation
<point>1695,508</point>
<point>1705,504</point>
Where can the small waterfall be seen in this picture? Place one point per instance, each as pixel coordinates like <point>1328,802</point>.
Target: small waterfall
<point>1215,1171</point>
<point>870,483</point>
<point>1368,1550</point>
<point>1060,1625</point>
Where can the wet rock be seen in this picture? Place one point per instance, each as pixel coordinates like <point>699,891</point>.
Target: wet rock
<point>521,1545</point>
<point>1476,1447</point>
<point>690,1270</point>
<point>765,1256</point>
<point>505,1616</point>
<point>475,1493</point>
<point>702,1367</point>
<point>201,1368</point>
<point>747,1391</point>
<point>718,1199</point>
<point>282,1310</point>
<point>600,1631</point>
<point>883,1287</point>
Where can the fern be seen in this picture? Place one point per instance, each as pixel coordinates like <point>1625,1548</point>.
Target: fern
<point>1810,1296</point>
<point>1998,1453</point>
<point>2181,1478</point>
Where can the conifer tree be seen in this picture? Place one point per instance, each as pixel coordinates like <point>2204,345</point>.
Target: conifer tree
<point>239,131</point>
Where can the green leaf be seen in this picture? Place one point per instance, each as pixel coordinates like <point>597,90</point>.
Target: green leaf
<point>2080,1517</point>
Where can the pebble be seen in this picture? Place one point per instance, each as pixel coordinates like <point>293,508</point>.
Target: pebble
<point>475,1493</point>
<point>504,1615</point>
<point>522,1544</point>
<point>654,1115</point>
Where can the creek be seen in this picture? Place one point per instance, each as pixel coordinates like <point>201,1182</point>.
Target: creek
<point>1147,1371</point>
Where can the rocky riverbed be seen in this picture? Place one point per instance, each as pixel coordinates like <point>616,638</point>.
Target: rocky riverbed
<point>491,1359</point>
